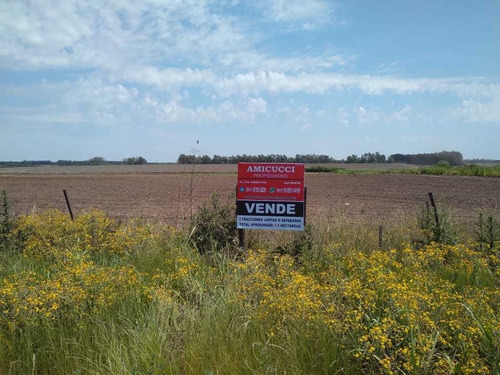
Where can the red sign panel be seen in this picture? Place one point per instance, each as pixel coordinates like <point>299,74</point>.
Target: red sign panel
<point>270,196</point>
<point>271,181</point>
<point>280,171</point>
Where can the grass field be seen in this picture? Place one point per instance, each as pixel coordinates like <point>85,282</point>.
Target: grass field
<point>98,296</point>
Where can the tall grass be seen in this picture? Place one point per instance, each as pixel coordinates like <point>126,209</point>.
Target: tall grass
<point>98,297</point>
<point>466,170</point>
<point>324,169</point>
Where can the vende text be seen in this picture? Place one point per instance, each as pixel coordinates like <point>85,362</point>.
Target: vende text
<point>270,208</point>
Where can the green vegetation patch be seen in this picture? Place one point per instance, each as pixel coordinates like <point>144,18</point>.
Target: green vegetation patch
<point>466,170</point>
<point>324,169</point>
<point>98,296</point>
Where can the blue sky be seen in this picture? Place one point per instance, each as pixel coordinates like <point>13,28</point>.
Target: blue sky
<point>125,78</point>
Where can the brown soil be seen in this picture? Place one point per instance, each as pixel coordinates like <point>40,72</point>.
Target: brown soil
<point>166,196</point>
<point>173,168</point>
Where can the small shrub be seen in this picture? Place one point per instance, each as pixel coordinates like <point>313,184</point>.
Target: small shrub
<point>303,241</point>
<point>444,232</point>
<point>481,233</point>
<point>6,220</point>
<point>487,232</point>
<point>443,163</point>
<point>214,226</point>
<point>493,229</point>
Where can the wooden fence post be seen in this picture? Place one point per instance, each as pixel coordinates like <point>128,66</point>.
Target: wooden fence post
<point>433,204</point>
<point>67,203</point>
<point>380,232</point>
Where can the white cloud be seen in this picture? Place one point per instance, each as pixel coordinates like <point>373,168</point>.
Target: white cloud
<point>35,116</point>
<point>403,115</point>
<point>122,34</point>
<point>306,13</point>
<point>374,116</point>
<point>366,117</point>
<point>170,78</point>
<point>251,60</point>
<point>342,116</point>
<point>101,103</point>
<point>321,83</point>
<point>83,101</point>
<point>256,105</point>
<point>477,111</point>
<point>103,34</point>
<point>307,126</point>
<point>175,112</point>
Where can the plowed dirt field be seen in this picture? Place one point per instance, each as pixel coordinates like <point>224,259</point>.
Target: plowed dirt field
<point>167,197</point>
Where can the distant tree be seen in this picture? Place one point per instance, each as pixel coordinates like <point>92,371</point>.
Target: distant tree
<point>205,159</point>
<point>352,159</point>
<point>97,160</point>
<point>273,158</point>
<point>397,158</point>
<point>367,158</point>
<point>218,159</point>
<point>188,159</point>
<point>72,162</point>
<point>452,157</point>
<point>135,160</point>
<point>380,158</point>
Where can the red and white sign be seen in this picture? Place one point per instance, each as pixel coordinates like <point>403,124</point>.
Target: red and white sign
<point>270,196</point>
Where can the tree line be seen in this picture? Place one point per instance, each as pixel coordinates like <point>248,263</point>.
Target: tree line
<point>452,157</point>
<point>96,160</point>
